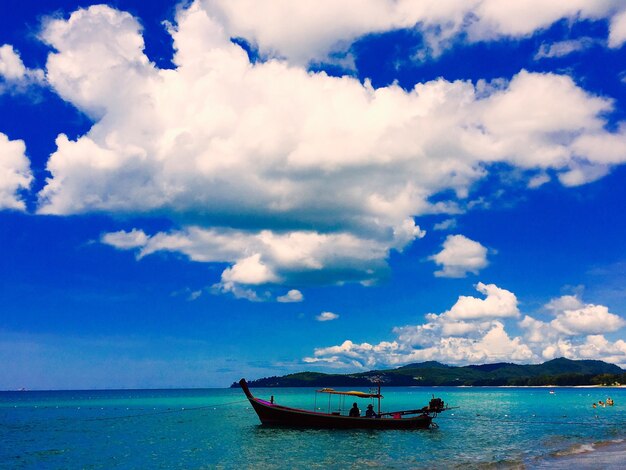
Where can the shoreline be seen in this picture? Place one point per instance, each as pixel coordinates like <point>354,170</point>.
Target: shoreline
<point>601,454</point>
<point>556,386</point>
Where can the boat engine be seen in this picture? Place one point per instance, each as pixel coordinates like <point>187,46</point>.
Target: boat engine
<point>436,405</point>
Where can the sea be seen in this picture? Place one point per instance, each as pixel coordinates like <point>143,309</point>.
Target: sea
<point>488,427</point>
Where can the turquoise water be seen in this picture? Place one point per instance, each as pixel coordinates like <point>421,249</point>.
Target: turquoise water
<point>216,428</point>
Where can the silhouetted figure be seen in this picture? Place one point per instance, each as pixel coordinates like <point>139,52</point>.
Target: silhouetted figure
<point>370,413</point>
<point>354,411</point>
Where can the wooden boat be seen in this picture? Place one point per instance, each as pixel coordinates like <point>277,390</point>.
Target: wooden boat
<point>272,414</point>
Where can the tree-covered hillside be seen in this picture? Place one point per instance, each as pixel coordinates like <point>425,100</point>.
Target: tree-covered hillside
<point>559,371</point>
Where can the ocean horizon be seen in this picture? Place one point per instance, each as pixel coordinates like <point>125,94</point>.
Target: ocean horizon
<point>216,428</point>
<point>21,390</point>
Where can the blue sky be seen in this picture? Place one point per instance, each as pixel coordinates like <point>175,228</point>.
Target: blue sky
<point>195,192</point>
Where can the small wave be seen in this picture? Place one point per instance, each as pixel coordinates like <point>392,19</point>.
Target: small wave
<point>587,447</point>
<point>577,449</point>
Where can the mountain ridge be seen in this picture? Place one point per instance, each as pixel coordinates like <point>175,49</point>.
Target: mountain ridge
<point>559,371</point>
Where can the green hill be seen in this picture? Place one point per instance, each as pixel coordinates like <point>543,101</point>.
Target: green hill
<point>559,371</point>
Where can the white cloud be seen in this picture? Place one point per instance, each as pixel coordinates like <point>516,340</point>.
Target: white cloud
<point>569,332</point>
<point>538,332</point>
<point>566,302</point>
<point>13,73</point>
<point>446,224</point>
<point>268,257</point>
<point>471,331</point>
<point>522,17</point>
<point>598,347</point>
<point>238,291</point>
<point>574,317</point>
<point>563,48</point>
<point>591,347</point>
<point>250,270</point>
<point>326,316</point>
<point>474,331</point>
<point>460,256</point>
<point>125,240</point>
<point>583,173</point>
<point>15,174</point>
<point>499,303</point>
<point>305,31</point>
<point>617,30</point>
<point>294,295</point>
<point>310,124</point>
<point>602,149</point>
<point>590,320</point>
<point>494,345</point>
<point>11,66</point>
<point>538,180</point>
<point>306,166</point>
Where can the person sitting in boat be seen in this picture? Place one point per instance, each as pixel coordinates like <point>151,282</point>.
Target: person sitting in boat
<point>370,413</point>
<point>354,411</point>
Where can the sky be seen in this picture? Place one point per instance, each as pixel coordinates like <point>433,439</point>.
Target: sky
<point>194,192</point>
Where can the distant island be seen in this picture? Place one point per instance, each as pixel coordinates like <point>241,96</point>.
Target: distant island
<point>557,372</point>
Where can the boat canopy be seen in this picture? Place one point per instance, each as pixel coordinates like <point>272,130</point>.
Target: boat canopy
<point>351,393</point>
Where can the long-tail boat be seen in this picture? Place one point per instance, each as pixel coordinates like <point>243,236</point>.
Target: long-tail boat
<point>272,414</point>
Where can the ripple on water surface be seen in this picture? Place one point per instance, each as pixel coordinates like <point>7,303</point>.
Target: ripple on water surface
<point>216,428</point>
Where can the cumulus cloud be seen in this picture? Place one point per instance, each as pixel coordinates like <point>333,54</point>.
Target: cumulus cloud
<point>493,345</point>
<point>250,270</point>
<point>326,316</point>
<point>475,331</point>
<point>460,256</point>
<point>11,66</point>
<point>591,347</point>
<point>590,319</point>
<point>522,17</point>
<point>309,31</point>
<point>574,317</point>
<point>301,164</point>
<point>265,256</point>
<point>470,318</point>
<point>294,295</point>
<point>597,346</point>
<point>499,303</point>
<point>15,173</point>
<point>565,302</point>
<point>311,125</point>
<point>13,73</point>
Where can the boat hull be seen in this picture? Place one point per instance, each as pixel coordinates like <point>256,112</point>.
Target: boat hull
<point>271,414</point>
